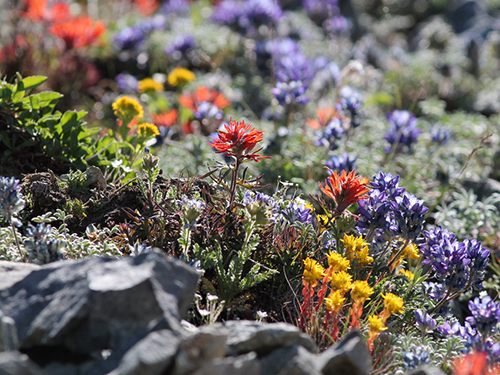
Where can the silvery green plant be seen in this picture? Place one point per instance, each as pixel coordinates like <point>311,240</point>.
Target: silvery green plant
<point>40,249</point>
<point>11,203</point>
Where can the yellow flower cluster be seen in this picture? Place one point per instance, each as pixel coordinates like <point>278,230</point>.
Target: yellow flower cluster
<point>337,262</point>
<point>341,281</point>
<point>361,291</point>
<point>408,274</point>
<point>313,271</point>
<point>411,251</point>
<point>148,130</point>
<point>393,303</point>
<point>356,247</point>
<point>376,324</point>
<point>179,76</point>
<point>334,301</point>
<point>127,108</point>
<point>149,84</point>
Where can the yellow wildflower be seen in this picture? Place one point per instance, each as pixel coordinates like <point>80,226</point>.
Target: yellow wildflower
<point>334,301</point>
<point>322,219</point>
<point>337,262</point>
<point>411,251</point>
<point>148,130</point>
<point>393,303</point>
<point>127,108</point>
<point>341,281</point>
<point>149,84</point>
<point>312,271</point>
<point>361,291</point>
<point>408,274</point>
<point>376,324</point>
<point>363,257</point>
<point>180,76</point>
<point>353,245</point>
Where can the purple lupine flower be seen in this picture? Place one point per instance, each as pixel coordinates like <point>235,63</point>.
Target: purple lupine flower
<point>129,38</point>
<point>337,24</point>
<point>320,6</point>
<point>126,82</point>
<point>386,182</point>
<point>154,23</point>
<point>180,46</point>
<point>297,212</point>
<point>402,131</point>
<point>342,162</point>
<point>409,215</point>
<point>424,322</point>
<point>332,133</point>
<point>377,212</point>
<point>351,104</point>
<point>176,7</point>
<point>485,315</point>
<point>458,265</point>
<point>247,16</point>
<point>440,135</point>
<point>11,201</point>
<point>416,357</point>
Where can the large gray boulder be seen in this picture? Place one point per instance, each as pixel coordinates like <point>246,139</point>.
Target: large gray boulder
<point>80,308</point>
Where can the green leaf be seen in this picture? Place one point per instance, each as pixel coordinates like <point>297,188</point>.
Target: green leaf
<point>5,139</point>
<point>29,83</point>
<point>35,103</point>
<point>5,92</point>
<point>48,96</point>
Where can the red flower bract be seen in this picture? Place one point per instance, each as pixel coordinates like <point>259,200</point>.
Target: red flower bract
<point>345,189</point>
<point>238,140</point>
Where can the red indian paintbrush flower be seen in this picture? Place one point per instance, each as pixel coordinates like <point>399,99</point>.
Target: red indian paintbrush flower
<point>345,189</point>
<point>238,140</point>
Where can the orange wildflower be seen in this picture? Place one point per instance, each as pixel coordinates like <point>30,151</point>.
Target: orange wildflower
<point>78,32</point>
<point>147,7</point>
<point>323,117</point>
<point>204,94</point>
<point>166,119</point>
<point>38,10</point>
<point>345,189</point>
<point>238,140</point>
<point>475,363</point>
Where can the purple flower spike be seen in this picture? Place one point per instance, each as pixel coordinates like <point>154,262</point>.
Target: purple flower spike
<point>485,315</point>
<point>402,132</point>
<point>424,321</point>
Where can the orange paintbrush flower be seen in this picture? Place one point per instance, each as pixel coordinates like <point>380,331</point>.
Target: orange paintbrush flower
<point>166,119</point>
<point>345,189</point>
<point>204,94</point>
<point>475,363</point>
<point>238,140</point>
<point>78,32</point>
<point>39,10</point>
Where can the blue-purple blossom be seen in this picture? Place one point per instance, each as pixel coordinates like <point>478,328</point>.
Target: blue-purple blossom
<point>191,209</point>
<point>131,38</point>
<point>39,248</point>
<point>386,182</point>
<point>351,103</point>
<point>247,16</point>
<point>342,162</point>
<point>457,265</point>
<point>409,215</point>
<point>321,7</point>
<point>415,357</point>
<point>11,201</point>
<point>424,321</point>
<point>338,25</point>
<point>297,212</point>
<point>331,134</point>
<point>440,135</point>
<point>181,45</point>
<point>485,315</point>
<point>402,131</point>
<point>127,82</point>
<point>176,7</point>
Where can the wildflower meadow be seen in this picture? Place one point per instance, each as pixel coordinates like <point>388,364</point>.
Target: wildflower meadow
<point>330,164</point>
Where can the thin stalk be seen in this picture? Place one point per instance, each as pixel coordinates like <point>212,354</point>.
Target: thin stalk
<point>17,241</point>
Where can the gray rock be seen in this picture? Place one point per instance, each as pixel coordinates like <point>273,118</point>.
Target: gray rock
<point>12,272</point>
<point>350,356</point>
<point>249,336</point>
<point>8,333</point>
<point>199,349</point>
<point>16,363</point>
<point>153,355</point>
<point>291,360</point>
<point>241,365</point>
<point>426,370</point>
<point>93,304</point>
